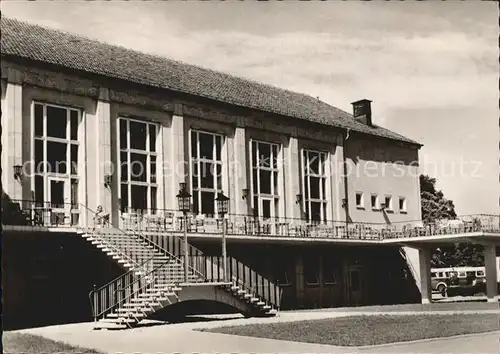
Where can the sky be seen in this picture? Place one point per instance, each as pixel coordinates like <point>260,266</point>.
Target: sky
<point>430,68</point>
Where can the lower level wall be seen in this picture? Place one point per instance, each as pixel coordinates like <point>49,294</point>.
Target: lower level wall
<point>383,275</point>
<point>47,277</point>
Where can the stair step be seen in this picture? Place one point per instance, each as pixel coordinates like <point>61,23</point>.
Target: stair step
<point>132,311</point>
<point>145,301</point>
<point>159,291</point>
<point>110,325</point>
<point>116,319</point>
<point>134,305</point>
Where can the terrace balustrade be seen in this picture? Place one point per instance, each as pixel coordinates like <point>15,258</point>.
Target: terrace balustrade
<point>25,212</point>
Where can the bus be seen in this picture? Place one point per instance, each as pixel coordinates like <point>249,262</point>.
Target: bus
<point>443,278</point>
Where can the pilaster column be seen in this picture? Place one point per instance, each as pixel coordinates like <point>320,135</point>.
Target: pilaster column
<point>424,257</point>
<point>177,155</point>
<point>292,179</point>
<point>491,270</point>
<point>101,163</point>
<point>337,181</point>
<point>164,167</point>
<point>239,180</point>
<point>12,143</point>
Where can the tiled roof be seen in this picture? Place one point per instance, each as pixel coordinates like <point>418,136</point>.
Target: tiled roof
<point>24,40</point>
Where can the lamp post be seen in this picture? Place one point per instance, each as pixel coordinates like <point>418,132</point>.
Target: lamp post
<point>222,209</point>
<point>184,203</point>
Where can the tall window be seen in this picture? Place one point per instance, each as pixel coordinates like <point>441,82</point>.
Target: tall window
<point>206,171</point>
<point>265,172</point>
<point>55,152</point>
<point>138,160</point>
<point>314,184</point>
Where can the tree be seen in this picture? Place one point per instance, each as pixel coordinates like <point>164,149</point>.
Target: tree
<point>435,207</point>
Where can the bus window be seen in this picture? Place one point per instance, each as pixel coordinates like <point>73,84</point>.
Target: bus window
<point>446,274</point>
<point>480,273</point>
<point>461,274</point>
<point>433,275</point>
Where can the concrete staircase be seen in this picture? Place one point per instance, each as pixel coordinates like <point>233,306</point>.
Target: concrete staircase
<point>410,255</point>
<point>154,278</point>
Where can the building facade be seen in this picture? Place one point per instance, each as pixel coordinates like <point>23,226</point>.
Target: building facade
<point>88,126</point>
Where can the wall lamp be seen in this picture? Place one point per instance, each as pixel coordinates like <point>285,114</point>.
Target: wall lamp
<point>244,193</point>
<point>107,180</point>
<point>18,171</point>
<point>382,206</point>
<point>344,203</point>
<point>298,198</point>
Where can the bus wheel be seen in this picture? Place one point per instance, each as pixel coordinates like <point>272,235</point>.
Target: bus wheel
<point>442,290</point>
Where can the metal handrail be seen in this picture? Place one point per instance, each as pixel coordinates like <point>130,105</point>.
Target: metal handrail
<point>138,234</point>
<point>239,281</point>
<point>132,271</point>
<point>129,286</point>
<point>249,225</point>
<point>114,248</point>
<point>157,212</point>
<point>196,252</point>
<point>157,246</point>
<point>154,244</point>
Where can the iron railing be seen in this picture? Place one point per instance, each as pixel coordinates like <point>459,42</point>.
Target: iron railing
<point>171,221</point>
<point>211,269</point>
<point>112,295</point>
<point>117,292</point>
<point>104,233</point>
<point>38,213</point>
<point>238,274</point>
<point>22,212</point>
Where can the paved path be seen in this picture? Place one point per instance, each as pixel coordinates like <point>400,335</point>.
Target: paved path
<point>485,343</point>
<point>181,338</point>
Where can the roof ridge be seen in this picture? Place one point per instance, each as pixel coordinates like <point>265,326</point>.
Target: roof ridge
<point>42,44</point>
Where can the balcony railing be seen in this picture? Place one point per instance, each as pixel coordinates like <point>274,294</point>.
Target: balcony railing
<point>47,214</point>
<point>161,221</point>
<point>40,213</point>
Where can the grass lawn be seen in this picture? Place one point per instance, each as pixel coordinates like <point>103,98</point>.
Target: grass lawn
<point>435,306</point>
<point>369,330</point>
<point>17,343</point>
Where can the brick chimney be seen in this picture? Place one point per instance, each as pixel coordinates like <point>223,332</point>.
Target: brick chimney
<point>362,111</point>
